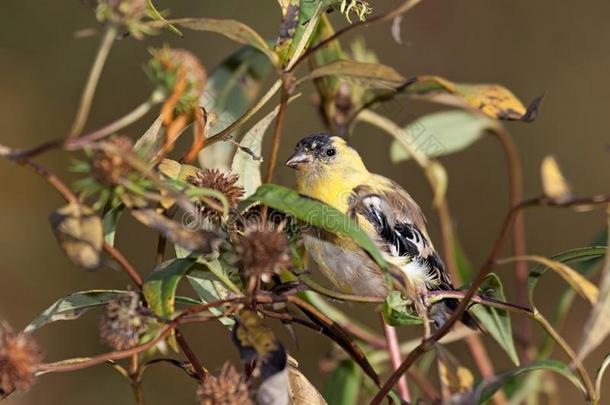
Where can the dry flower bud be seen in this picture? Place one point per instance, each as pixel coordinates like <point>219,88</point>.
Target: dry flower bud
<point>109,168</point>
<point>224,183</point>
<point>19,359</point>
<point>122,325</point>
<point>228,388</point>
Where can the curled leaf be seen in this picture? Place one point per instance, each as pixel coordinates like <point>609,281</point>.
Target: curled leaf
<point>554,184</point>
<point>73,306</point>
<point>80,234</point>
<point>493,100</point>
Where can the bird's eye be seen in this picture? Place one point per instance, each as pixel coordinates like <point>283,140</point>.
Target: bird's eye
<point>331,152</point>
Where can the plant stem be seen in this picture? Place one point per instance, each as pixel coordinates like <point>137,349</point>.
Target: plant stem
<point>395,359</point>
<point>94,77</point>
<point>582,371</point>
<point>277,134</point>
<point>191,356</point>
<point>125,264</point>
<point>515,174</point>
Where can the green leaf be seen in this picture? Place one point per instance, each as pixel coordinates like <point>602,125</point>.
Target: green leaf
<point>160,285</point>
<point>110,222</point>
<point>315,213</point>
<point>397,311</point>
<point>343,385</point>
<point>232,29</point>
<point>374,75</point>
<point>496,321</point>
<point>73,306</point>
<point>485,390</point>
<point>230,90</point>
<point>442,133</point>
<point>309,15</point>
<point>570,256</point>
<point>156,15</point>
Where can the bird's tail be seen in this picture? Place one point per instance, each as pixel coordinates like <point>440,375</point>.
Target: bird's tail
<point>441,311</point>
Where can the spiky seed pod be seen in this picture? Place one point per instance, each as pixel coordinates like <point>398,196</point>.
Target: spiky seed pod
<point>110,168</point>
<point>227,389</point>
<point>122,325</point>
<point>263,251</point>
<point>19,359</point>
<point>224,183</point>
<point>181,74</point>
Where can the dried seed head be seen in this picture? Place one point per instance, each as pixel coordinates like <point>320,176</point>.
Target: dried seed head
<point>126,8</point>
<point>228,388</point>
<point>109,168</point>
<point>263,251</point>
<point>19,359</point>
<point>127,13</point>
<point>122,325</point>
<point>180,73</point>
<point>216,180</point>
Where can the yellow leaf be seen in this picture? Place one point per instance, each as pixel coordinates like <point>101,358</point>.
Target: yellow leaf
<point>302,391</point>
<point>580,284</point>
<point>175,171</point>
<point>554,184</point>
<point>493,100</point>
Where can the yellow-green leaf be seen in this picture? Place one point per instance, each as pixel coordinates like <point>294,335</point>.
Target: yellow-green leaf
<point>580,284</point>
<point>493,100</point>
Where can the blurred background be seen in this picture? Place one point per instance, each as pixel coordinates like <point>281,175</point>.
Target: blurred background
<point>556,48</point>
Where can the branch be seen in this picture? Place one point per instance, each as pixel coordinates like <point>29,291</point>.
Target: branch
<point>277,134</point>
<point>94,77</point>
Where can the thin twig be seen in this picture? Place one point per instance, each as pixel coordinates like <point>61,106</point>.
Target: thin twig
<point>277,134</point>
<point>92,81</point>
<point>125,264</point>
<point>515,175</point>
<point>201,372</point>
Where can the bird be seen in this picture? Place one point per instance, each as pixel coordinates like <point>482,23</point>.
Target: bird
<point>331,171</point>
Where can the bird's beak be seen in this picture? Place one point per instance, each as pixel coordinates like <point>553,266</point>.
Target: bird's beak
<point>297,159</point>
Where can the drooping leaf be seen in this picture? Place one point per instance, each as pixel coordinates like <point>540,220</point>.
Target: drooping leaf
<point>230,90</point>
<point>493,100</point>
<point>597,326</point>
<point>496,321</point>
<point>555,186</point>
<point>73,306</point>
<point>160,285</point>
<point>398,312</point>
<point>315,213</point>
<point>571,256</point>
<point>195,240</point>
<point>232,29</point>
<point>343,385</point>
<point>579,283</point>
<point>80,234</point>
<point>110,222</point>
<point>374,75</point>
<point>442,133</point>
<point>485,390</point>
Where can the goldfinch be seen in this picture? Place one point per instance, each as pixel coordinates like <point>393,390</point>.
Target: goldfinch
<point>329,170</point>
